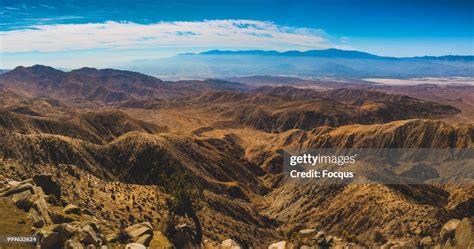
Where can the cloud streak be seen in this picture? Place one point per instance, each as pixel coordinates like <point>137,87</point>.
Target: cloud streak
<point>238,34</point>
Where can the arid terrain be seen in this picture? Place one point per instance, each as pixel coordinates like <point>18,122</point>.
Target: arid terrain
<point>108,157</point>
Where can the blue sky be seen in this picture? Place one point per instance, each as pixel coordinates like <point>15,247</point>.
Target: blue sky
<point>104,33</point>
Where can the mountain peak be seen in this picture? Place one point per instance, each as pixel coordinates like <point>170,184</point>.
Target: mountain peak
<point>85,70</point>
<point>330,53</point>
<point>36,69</point>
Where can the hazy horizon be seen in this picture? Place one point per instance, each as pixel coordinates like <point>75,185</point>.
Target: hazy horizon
<point>109,33</point>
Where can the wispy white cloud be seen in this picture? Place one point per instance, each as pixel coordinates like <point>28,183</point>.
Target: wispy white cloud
<point>239,34</point>
<point>344,39</point>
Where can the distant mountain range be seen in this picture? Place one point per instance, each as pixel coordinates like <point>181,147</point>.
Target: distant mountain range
<point>333,53</point>
<point>313,63</point>
<point>327,53</point>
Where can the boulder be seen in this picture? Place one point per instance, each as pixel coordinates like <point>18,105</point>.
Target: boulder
<point>464,234</point>
<point>87,236</point>
<point>448,229</point>
<point>135,246</point>
<point>49,238</point>
<point>278,245</point>
<point>72,209</point>
<point>230,244</point>
<point>140,233</point>
<point>41,206</point>
<point>30,198</point>
<point>113,237</point>
<point>73,244</point>
<point>26,202</point>
<point>311,237</point>
<point>20,196</point>
<point>17,189</point>
<point>426,242</point>
<point>139,229</point>
<point>65,230</point>
<point>13,183</point>
<point>209,244</point>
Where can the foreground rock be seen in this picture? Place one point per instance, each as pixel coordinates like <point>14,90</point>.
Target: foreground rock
<point>226,244</point>
<point>141,233</point>
<point>230,244</point>
<point>135,246</point>
<point>311,238</point>
<point>455,234</point>
<point>447,231</point>
<point>278,245</point>
<point>55,226</point>
<point>464,234</point>
<point>78,235</point>
<point>30,198</point>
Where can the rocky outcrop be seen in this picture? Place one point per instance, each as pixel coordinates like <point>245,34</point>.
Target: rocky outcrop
<point>426,242</point>
<point>230,244</point>
<point>455,234</point>
<point>311,238</point>
<point>76,235</point>
<point>55,229</point>
<point>141,233</point>
<point>464,234</point>
<point>447,231</point>
<point>30,198</point>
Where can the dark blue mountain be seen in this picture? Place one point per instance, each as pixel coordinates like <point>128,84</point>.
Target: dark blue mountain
<point>334,53</point>
<point>334,63</point>
<point>327,53</point>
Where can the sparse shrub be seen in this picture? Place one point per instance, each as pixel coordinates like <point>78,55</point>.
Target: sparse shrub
<point>123,237</point>
<point>185,201</point>
<point>185,196</point>
<point>348,236</point>
<point>378,237</point>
